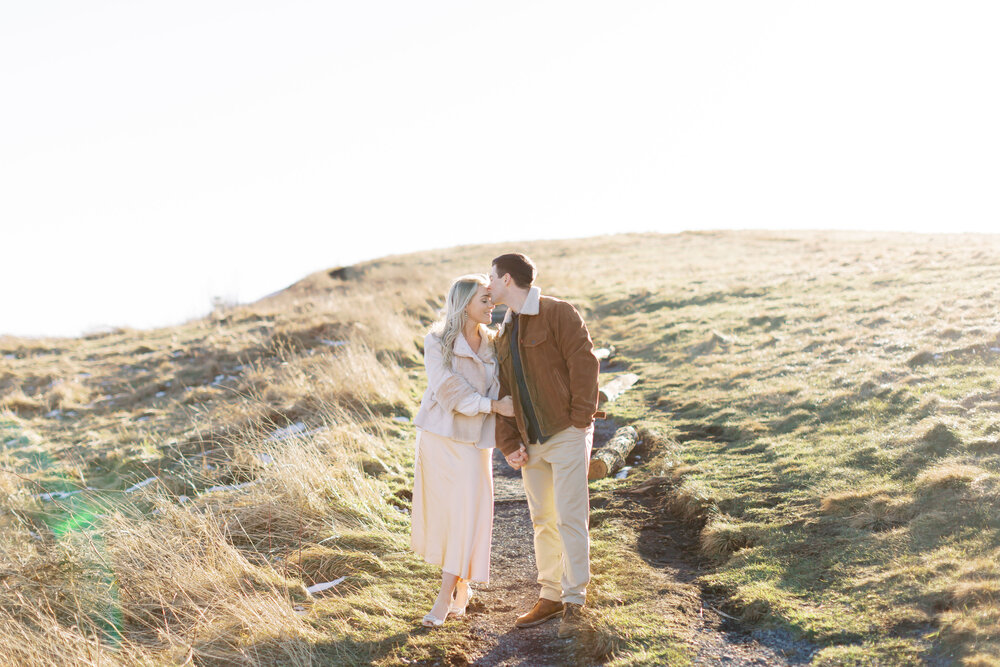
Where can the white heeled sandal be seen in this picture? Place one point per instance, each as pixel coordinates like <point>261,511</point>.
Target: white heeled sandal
<point>430,621</point>
<point>463,593</point>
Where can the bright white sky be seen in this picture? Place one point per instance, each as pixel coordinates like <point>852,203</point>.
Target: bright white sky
<point>153,155</point>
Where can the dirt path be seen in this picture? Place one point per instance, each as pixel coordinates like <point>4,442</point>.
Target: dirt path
<point>714,640</point>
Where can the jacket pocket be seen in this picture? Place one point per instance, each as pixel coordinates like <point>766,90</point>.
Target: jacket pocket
<point>535,339</point>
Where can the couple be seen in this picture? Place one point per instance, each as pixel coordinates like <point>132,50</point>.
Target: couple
<point>530,390</point>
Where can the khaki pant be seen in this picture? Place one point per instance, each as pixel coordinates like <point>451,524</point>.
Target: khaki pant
<point>555,482</point>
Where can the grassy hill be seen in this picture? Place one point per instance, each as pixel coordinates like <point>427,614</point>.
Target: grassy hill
<point>821,424</point>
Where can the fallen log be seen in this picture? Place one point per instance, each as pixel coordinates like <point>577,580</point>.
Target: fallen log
<point>609,458</point>
<point>616,387</point>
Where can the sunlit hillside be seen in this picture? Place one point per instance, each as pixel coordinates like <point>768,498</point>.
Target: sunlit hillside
<point>820,421</point>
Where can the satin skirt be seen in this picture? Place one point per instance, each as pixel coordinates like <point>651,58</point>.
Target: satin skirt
<point>452,507</point>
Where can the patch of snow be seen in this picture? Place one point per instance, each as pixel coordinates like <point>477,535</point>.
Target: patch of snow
<point>10,356</point>
<point>229,487</point>
<point>333,343</point>
<point>401,419</point>
<point>56,495</point>
<point>623,473</point>
<point>287,431</point>
<point>59,495</point>
<point>182,499</point>
<point>53,413</point>
<point>316,588</point>
<point>161,394</point>
<point>264,458</point>
<point>139,485</point>
<point>218,379</point>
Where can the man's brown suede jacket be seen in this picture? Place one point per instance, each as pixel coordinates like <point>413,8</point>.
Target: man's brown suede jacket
<point>560,370</point>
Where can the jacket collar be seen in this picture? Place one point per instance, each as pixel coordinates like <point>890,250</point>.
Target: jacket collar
<point>530,306</point>
<point>462,347</point>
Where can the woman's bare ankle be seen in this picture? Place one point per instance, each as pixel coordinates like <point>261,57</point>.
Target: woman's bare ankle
<point>441,606</point>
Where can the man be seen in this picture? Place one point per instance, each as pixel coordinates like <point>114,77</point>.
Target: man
<point>548,366</point>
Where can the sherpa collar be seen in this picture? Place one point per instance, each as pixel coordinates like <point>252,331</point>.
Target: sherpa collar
<point>462,347</point>
<point>530,306</point>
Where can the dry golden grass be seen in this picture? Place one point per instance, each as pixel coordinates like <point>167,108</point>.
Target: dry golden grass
<point>828,399</point>
<point>851,501</point>
<point>216,579</point>
<point>693,502</point>
<point>207,580</point>
<point>949,474</point>
<point>723,537</point>
<point>882,512</point>
<point>16,401</point>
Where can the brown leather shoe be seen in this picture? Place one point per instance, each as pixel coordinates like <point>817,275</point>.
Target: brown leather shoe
<point>541,612</point>
<point>572,620</point>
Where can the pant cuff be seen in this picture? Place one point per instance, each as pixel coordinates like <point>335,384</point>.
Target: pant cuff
<point>575,599</point>
<point>552,596</point>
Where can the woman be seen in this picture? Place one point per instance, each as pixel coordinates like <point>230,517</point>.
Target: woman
<point>453,484</point>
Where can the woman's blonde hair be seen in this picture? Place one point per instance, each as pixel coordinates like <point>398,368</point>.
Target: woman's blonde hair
<point>448,329</point>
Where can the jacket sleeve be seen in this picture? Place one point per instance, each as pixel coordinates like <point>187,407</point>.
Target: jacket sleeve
<point>577,350</point>
<point>507,436</point>
<point>451,390</point>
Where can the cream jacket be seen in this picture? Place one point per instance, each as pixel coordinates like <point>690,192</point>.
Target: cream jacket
<point>457,403</point>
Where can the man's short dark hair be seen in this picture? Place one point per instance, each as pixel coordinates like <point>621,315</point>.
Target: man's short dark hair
<point>520,268</point>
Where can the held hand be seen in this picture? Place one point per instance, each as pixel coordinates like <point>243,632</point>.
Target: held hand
<point>504,407</point>
<point>517,459</point>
